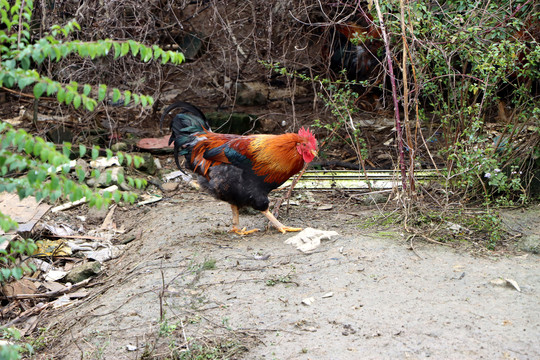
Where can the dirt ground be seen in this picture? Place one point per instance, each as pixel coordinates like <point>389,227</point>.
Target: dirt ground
<point>228,297</point>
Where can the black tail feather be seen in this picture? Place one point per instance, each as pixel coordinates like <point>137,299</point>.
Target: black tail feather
<point>189,120</point>
<point>186,107</point>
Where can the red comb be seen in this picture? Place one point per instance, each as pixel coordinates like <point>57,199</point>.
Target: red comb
<point>306,133</point>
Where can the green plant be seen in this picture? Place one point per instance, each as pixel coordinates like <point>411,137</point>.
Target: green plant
<point>166,328</point>
<point>225,350</point>
<point>13,351</point>
<point>29,165</point>
<point>479,167</point>
<point>284,279</point>
<point>209,264</point>
<point>340,98</point>
<point>20,55</point>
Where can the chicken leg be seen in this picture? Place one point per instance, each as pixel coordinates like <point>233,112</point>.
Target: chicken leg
<point>236,222</point>
<point>277,224</point>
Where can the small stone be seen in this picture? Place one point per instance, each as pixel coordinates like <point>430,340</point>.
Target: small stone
<point>149,166</point>
<point>83,272</point>
<point>83,164</point>
<point>325,207</point>
<point>308,301</point>
<point>95,215</point>
<point>102,180</point>
<point>530,243</point>
<point>170,186</point>
<point>119,146</point>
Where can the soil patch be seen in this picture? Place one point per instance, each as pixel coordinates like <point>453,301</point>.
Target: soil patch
<point>185,283</point>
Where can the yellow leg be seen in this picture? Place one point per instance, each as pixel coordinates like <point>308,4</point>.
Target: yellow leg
<point>277,224</point>
<point>236,222</point>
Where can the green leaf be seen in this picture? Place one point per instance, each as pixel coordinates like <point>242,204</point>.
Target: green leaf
<point>120,158</point>
<point>157,51</point>
<point>147,55</point>
<point>134,47</point>
<point>39,89</point>
<point>17,273</point>
<point>6,273</point>
<point>144,100</point>
<point>137,161</point>
<point>24,81</point>
<point>90,104</point>
<point>80,174</point>
<point>82,150</point>
<point>77,101</point>
<point>61,95</point>
<point>86,89</point>
<point>51,88</point>
<point>95,152</point>
<point>127,97</point>
<point>116,95</point>
<point>25,63</point>
<point>165,57</point>
<point>125,49</point>
<point>102,92</point>
<point>117,50</point>
<point>120,177</point>
<point>128,160</point>
<point>66,149</point>
<point>69,96</point>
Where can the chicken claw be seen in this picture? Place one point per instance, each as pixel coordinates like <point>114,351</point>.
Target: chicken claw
<point>286,229</point>
<point>243,231</point>
<point>282,228</point>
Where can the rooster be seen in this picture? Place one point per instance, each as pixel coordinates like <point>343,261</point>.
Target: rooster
<point>241,170</point>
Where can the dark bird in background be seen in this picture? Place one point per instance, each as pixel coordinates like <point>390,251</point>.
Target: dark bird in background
<point>355,49</point>
<point>241,170</point>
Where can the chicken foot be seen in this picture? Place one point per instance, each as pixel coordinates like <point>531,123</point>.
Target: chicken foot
<point>277,224</point>
<point>236,222</point>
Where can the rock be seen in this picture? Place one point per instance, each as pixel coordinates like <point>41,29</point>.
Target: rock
<point>235,123</point>
<point>102,180</point>
<point>83,272</point>
<point>96,216</point>
<point>119,146</point>
<point>149,165</point>
<point>374,198</point>
<point>84,166</point>
<point>530,243</point>
<point>308,301</point>
<point>250,94</point>
<point>170,186</point>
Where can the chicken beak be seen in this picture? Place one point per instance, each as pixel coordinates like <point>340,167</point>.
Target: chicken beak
<point>314,152</point>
